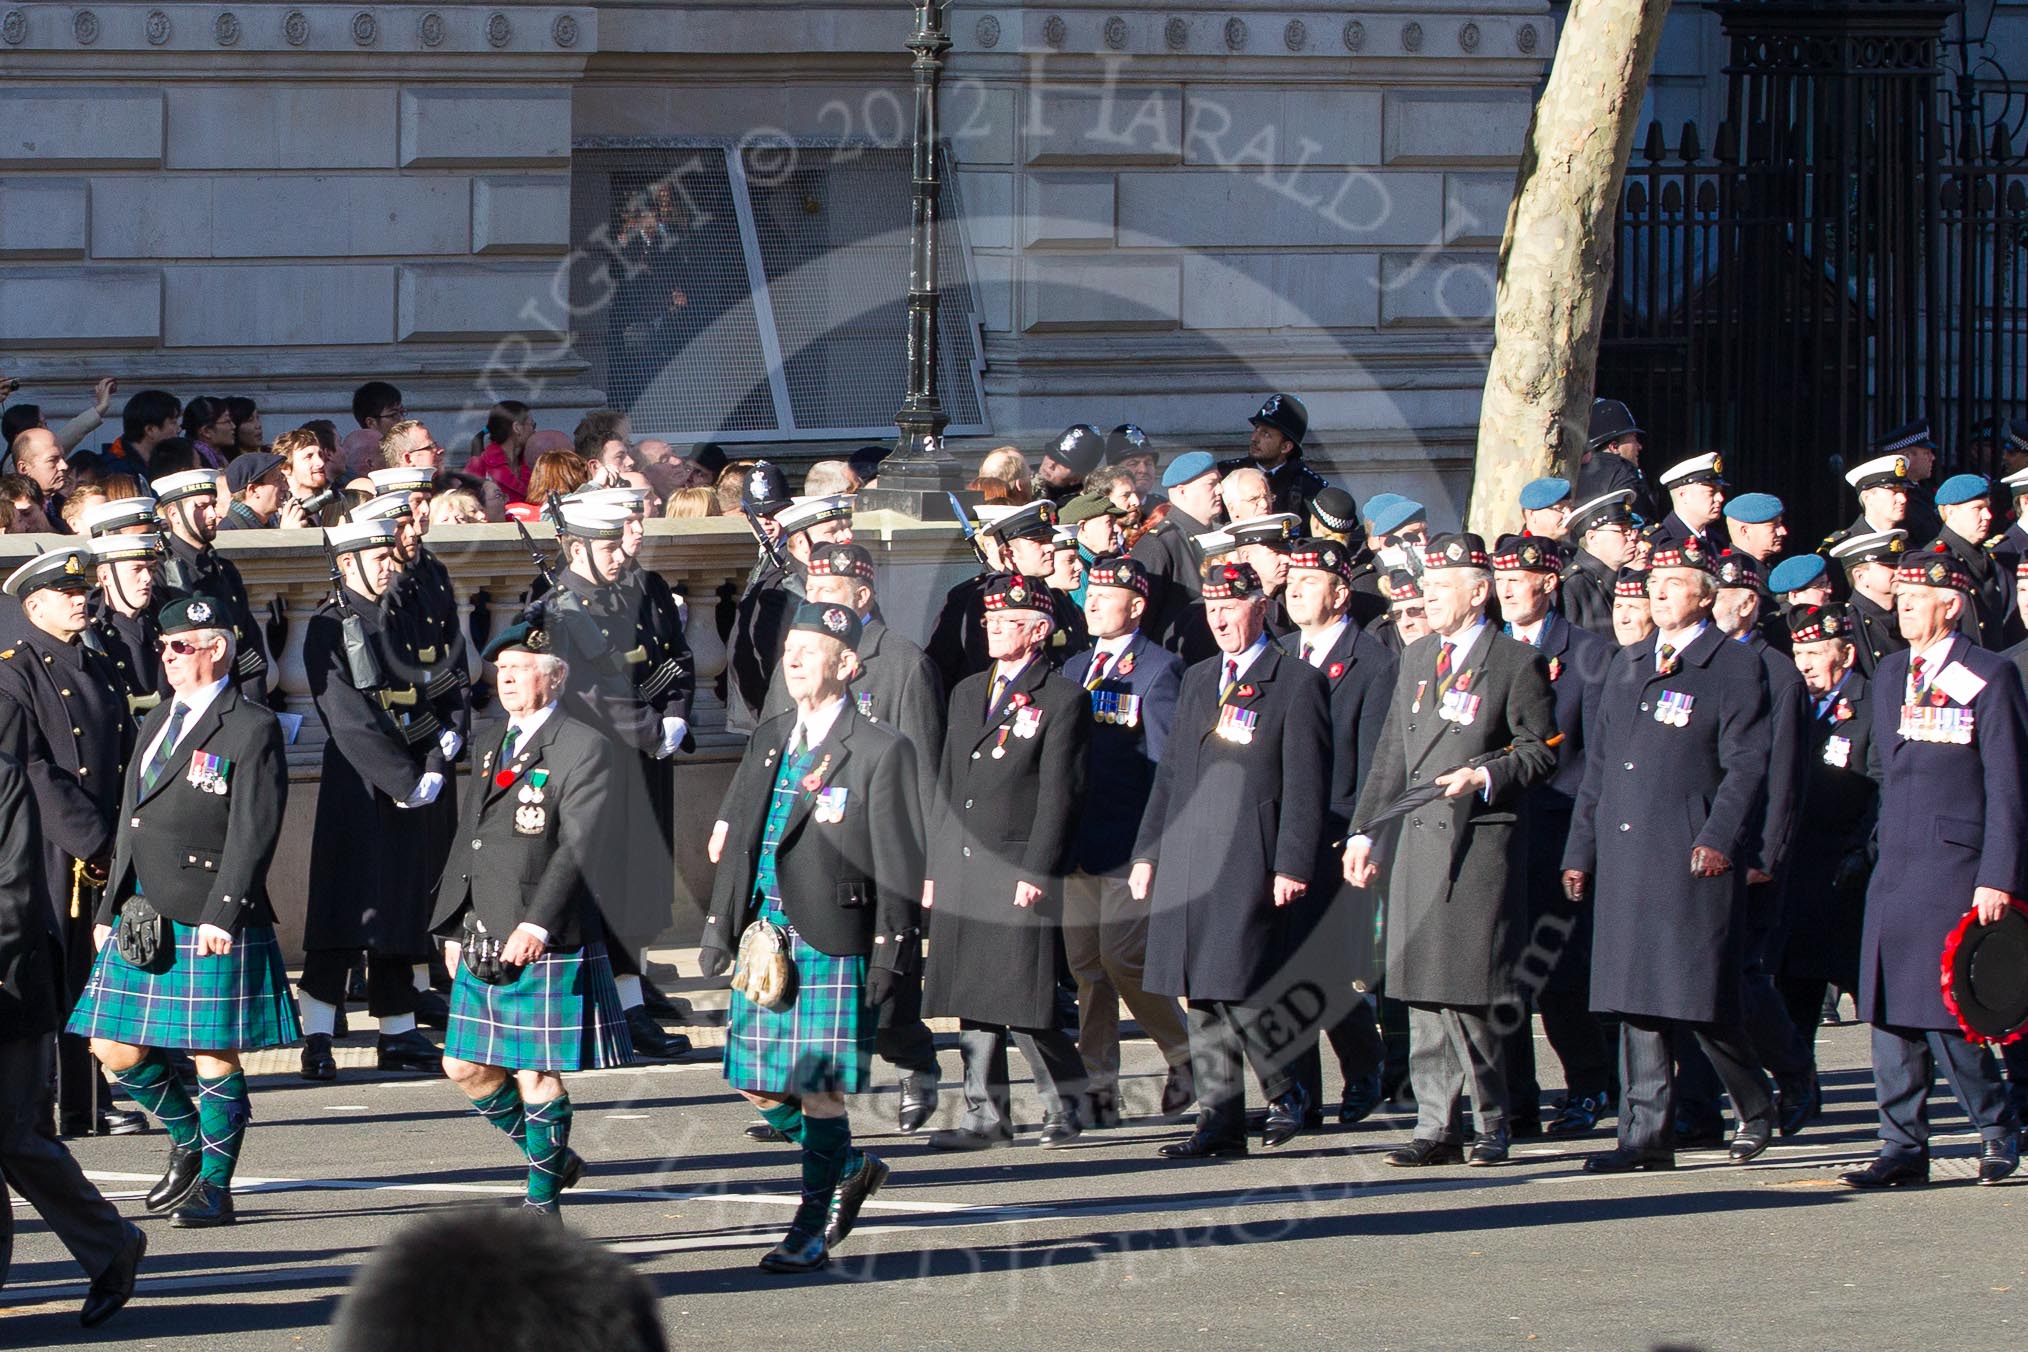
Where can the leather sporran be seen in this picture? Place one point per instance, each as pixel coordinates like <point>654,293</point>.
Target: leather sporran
<point>764,972</point>
<point>480,954</point>
<point>143,936</point>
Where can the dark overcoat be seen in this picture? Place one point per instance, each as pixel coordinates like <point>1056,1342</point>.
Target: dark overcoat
<point>1667,944</point>
<point>1175,564</point>
<point>1577,660</point>
<point>1788,710</point>
<point>1877,632</point>
<point>1952,818</point>
<point>1833,855</point>
<point>1586,594</point>
<point>1359,674</point>
<point>29,952</point>
<point>191,571</point>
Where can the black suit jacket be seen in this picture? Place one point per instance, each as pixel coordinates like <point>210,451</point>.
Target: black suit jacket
<point>1175,617</point>
<point>510,867</point>
<point>852,886</point>
<point>1120,770</point>
<point>190,571</point>
<point>202,858</point>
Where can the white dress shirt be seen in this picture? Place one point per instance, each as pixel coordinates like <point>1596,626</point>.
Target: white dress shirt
<point>196,703</point>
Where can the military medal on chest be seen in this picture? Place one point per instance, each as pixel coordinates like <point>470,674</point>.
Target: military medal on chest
<point>208,772</point>
<point>1673,708</point>
<point>1236,725</point>
<point>531,816</point>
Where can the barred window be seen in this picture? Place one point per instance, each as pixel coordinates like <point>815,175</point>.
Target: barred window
<point>760,293</point>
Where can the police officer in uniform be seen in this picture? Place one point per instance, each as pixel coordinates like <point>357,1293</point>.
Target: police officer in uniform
<point>1279,428</point>
<point>188,503</point>
<point>1870,560</point>
<point>1601,533</point>
<point>1966,504</point>
<point>187,954</point>
<point>1174,558</point>
<point>1913,441</point>
<point>1612,458</point>
<point>533,995</point>
<point>1950,721</point>
<point>385,764</point>
<point>122,609</point>
<point>1067,463</point>
<point>63,715</point>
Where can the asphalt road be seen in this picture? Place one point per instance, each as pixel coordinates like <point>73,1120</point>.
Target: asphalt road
<point>1101,1245</point>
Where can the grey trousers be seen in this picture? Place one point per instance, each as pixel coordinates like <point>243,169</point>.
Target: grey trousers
<point>1105,941</point>
<point>1905,1065</point>
<point>1052,1055</point>
<point>1452,1049</point>
<point>35,1164</point>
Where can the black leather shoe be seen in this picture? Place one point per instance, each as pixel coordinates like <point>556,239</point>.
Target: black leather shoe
<point>1887,1171</point>
<point>964,1138</point>
<point>114,1287</point>
<point>1699,1135</point>
<point>1361,1097</point>
<point>799,1251</point>
<point>1059,1130</point>
<point>1831,1017</point>
<point>918,1103</point>
<point>318,1063</point>
<point>178,1180</point>
<point>1179,1091</point>
<point>1202,1146</point>
<point>1998,1160</point>
<point>672,1008</point>
<point>1102,1109</point>
<point>1487,1150</point>
<point>651,1043</point>
<point>123,1122</point>
<point>1750,1140</point>
<point>1419,1153</point>
<point>1577,1117</point>
<point>209,1205</point>
<point>1802,1099</point>
<point>764,1133</point>
<point>1627,1160</point>
<point>1285,1119</point>
<point>408,1051</point>
<point>432,1010</point>
<point>851,1194</point>
<point>573,1169</point>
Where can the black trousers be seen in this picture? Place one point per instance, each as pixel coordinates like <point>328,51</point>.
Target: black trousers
<point>81,1089</point>
<point>1905,1066</point>
<point>1053,1057</point>
<point>1356,1042</point>
<point>390,979</point>
<point>902,1038</point>
<point>1222,1045</point>
<point>1581,1040</point>
<point>35,1164</point>
<point>1648,1051</point>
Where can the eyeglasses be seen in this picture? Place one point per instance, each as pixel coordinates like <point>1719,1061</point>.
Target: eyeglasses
<point>182,647</point>
<point>1412,613</point>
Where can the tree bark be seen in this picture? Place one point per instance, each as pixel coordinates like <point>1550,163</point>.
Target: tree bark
<point>1556,258</point>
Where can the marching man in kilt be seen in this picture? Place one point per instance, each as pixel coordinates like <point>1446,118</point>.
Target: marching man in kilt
<point>819,843</point>
<point>187,958</point>
<point>533,994</point>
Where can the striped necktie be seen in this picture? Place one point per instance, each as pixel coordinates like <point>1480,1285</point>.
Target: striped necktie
<point>1443,666</point>
<point>1915,675</point>
<point>1665,660</point>
<point>1098,669</point>
<point>151,773</point>
<point>1231,679</point>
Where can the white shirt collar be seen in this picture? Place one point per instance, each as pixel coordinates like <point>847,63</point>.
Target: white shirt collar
<point>1243,662</point>
<point>1934,656</point>
<point>1325,639</point>
<point>815,727</point>
<point>1466,637</point>
<point>1531,634</point>
<point>196,703</point>
<point>528,725</point>
<point>1113,647</point>
<point>1679,640</point>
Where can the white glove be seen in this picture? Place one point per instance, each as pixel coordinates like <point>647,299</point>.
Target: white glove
<point>425,792</point>
<point>451,743</point>
<point>673,728</point>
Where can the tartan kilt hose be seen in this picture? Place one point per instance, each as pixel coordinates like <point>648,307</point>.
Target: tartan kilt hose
<point>821,1044</point>
<point>237,1001</point>
<point>562,1013</point>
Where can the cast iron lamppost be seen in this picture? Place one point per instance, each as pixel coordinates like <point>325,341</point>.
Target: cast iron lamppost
<point>914,479</point>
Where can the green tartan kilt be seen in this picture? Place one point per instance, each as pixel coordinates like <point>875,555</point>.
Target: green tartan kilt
<point>237,1001</point>
<point>562,1013</point>
<point>821,1044</point>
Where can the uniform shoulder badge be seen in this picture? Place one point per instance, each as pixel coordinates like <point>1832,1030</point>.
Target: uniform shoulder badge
<point>7,655</point>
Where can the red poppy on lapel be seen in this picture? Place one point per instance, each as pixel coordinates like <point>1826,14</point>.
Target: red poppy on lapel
<point>812,782</point>
<point>1126,665</point>
<point>503,779</point>
<point>1841,711</point>
<point>1337,670</point>
<point>1555,667</point>
<point>1936,697</point>
<point>1245,692</point>
<point>1463,683</point>
<point>1017,700</point>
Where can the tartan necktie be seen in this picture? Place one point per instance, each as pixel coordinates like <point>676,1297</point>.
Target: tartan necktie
<point>1665,657</point>
<point>1098,669</point>
<point>151,773</point>
<point>1915,673</point>
<point>507,744</point>
<point>1231,678</point>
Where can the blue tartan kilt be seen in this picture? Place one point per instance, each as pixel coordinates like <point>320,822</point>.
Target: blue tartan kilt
<point>821,1044</point>
<point>562,1013</point>
<point>237,1001</point>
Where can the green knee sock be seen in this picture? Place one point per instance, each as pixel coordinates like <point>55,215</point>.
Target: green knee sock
<point>548,1137</point>
<point>222,1114</point>
<point>786,1118</point>
<point>155,1087</point>
<point>502,1108</point>
<point>827,1148</point>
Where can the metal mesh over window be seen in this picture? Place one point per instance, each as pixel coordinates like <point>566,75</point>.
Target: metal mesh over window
<point>757,296</point>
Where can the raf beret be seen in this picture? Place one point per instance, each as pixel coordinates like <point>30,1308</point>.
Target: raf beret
<point>1755,509</point>
<point>1389,519</point>
<point>1794,574</point>
<point>1187,466</point>
<point>1962,488</point>
<point>1540,494</point>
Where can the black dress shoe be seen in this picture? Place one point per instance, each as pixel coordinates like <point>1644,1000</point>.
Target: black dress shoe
<point>1576,1117</point>
<point>1361,1097</point>
<point>918,1103</point>
<point>1179,1091</point>
<point>1202,1146</point>
<point>114,1287</point>
<point>178,1180</point>
<point>1699,1135</point>
<point>1628,1160</point>
<point>432,1010</point>
<point>318,1063</point>
<point>123,1122</point>
<point>408,1051</point>
<point>1999,1159</point>
<point>1059,1130</point>
<point>1419,1153</point>
<point>851,1194</point>
<point>765,1133</point>
<point>1102,1109</point>
<point>964,1138</point>
<point>209,1205</point>
<point>573,1169</point>
<point>1488,1149</point>
<point>1802,1099</point>
<point>799,1251</point>
<point>651,1043</point>
<point>672,1008</point>
<point>1750,1140</point>
<point>1888,1171</point>
<point>1286,1117</point>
